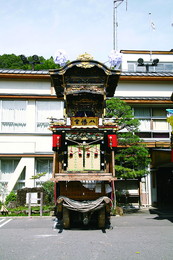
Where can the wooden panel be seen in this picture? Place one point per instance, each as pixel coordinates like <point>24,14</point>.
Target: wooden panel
<point>75,158</point>
<point>75,190</point>
<point>81,158</point>
<point>92,158</point>
<point>83,177</point>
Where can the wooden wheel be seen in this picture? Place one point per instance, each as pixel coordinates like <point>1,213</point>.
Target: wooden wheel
<point>66,218</point>
<point>101,218</point>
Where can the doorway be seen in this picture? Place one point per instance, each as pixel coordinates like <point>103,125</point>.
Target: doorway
<point>165,186</point>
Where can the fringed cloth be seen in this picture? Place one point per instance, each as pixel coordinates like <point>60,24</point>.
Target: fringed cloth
<point>84,206</point>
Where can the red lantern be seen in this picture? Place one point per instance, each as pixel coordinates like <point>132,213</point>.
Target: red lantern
<point>56,140</point>
<point>112,141</point>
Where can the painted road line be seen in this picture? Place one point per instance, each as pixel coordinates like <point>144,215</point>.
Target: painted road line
<point>5,222</point>
<point>2,219</point>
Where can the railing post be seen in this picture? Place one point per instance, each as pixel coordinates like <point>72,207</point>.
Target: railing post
<point>29,201</point>
<point>41,204</point>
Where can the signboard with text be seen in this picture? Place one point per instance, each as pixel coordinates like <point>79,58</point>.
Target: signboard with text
<point>84,121</point>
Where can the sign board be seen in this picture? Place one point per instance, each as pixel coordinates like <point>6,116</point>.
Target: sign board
<point>84,121</point>
<point>34,198</point>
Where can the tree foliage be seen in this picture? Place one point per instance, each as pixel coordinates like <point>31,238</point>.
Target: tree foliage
<point>48,187</point>
<point>12,61</point>
<point>132,158</point>
<point>10,197</point>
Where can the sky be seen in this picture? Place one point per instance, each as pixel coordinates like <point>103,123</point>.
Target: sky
<point>77,26</point>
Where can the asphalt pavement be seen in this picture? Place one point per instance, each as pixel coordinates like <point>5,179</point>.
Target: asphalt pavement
<point>139,235</point>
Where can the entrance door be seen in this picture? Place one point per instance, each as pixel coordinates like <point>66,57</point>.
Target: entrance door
<point>84,158</point>
<point>165,187</point>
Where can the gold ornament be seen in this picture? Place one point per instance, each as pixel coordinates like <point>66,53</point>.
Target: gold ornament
<point>85,56</point>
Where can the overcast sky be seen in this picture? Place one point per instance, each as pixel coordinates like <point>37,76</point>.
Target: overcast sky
<point>43,26</point>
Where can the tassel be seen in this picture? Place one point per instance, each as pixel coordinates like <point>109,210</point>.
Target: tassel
<point>96,153</point>
<point>79,153</point>
<point>71,153</point>
<point>88,152</point>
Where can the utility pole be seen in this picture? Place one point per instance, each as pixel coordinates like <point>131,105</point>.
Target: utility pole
<point>116,4</point>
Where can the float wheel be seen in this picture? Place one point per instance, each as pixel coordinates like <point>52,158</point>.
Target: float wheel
<point>66,218</point>
<point>101,218</point>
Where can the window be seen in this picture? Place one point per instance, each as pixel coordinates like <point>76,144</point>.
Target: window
<point>159,112</point>
<point>153,122</point>
<point>44,166</point>
<point>159,119</point>
<point>13,115</point>
<point>164,67</point>
<point>19,185</point>
<point>45,110</point>
<point>7,167</point>
<point>131,67</point>
<point>143,114</point>
<point>161,67</point>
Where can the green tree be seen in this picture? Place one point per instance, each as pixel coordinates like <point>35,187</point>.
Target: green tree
<point>48,187</point>
<point>10,197</point>
<point>132,158</point>
<point>12,61</point>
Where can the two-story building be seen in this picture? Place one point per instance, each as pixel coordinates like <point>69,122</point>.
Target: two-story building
<point>27,100</point>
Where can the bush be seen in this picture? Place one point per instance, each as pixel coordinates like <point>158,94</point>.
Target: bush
<point>48,188</point>
<point>11,197</point>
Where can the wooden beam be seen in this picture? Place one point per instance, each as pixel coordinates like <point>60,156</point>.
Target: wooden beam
<point>83,177</point>
<point>145,78</point>
<point>148,101</point>
<point>49,97</point>
<point>55,164</point>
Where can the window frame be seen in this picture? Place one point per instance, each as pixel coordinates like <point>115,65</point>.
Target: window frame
<point>153,133</point>
<point>16,128</point>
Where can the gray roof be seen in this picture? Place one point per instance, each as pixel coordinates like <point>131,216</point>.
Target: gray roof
<point>16,71</point>
<point>123,73</point>
<point>147,74</point>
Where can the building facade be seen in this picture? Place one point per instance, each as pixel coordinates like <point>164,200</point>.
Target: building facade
<point>148,89</point>
<point>27,100</point>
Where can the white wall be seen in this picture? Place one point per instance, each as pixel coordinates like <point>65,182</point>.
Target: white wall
<point>145,89</point>
<point>145,57</point>
<point>35,87</point>
<point>16,144</point>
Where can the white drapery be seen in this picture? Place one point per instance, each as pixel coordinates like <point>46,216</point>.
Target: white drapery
<point>13,115</point>
<point>45,110</point>
<point>7,167</point>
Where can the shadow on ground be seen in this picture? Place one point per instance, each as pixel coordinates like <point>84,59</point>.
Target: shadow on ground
<point>163,213</point>
<point>58,224</point>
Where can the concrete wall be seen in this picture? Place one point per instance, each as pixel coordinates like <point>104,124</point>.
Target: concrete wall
<point>14,86</point>
<point>144,89</point>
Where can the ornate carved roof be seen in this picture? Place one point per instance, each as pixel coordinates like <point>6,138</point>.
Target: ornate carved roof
<point>85,71</point>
